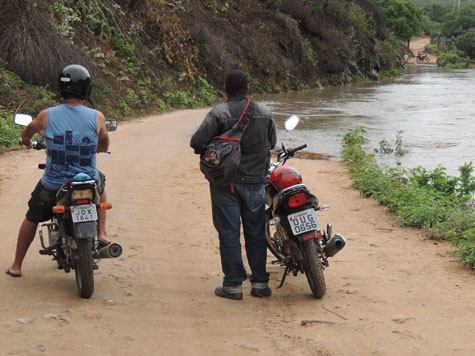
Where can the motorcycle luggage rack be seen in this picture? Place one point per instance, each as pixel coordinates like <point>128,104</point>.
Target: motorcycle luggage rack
<point>85,182</point>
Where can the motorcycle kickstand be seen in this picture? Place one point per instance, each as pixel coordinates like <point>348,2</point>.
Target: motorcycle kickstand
<point>286,273</point>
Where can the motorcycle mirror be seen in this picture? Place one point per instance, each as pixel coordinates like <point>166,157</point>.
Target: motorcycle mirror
<point>291,122</point>
<point>111,125</point>
<point>22,119</point>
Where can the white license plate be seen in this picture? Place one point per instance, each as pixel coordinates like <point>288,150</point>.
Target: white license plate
<point>303,221</point>
<point>81,213</point>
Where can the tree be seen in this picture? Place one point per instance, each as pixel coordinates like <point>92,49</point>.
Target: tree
<point>459,22</point>
<point>405,18</point>
<point>466,43</point>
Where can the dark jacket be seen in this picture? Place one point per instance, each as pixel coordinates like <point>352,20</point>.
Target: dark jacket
<point>256,143</point>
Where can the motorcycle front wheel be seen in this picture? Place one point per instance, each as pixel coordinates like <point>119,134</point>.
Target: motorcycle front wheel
<point>84,268</point>
<point>313,269</point>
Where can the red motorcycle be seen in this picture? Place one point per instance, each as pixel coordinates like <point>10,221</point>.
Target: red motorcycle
<point>293,232</point>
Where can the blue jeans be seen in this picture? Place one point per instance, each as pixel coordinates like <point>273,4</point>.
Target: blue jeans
<point>246,203</point>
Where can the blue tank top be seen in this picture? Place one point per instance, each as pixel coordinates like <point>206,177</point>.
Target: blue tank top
<point>71,140</point>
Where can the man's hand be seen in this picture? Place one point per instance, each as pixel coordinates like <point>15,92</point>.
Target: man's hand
<point>27,144</point>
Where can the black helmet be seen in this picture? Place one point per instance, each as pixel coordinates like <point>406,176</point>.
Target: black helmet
<point>74,80</point>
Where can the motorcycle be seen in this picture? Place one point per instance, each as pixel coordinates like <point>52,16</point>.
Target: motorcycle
<point>72,232</point>
<point>293,232</point>
<point>423,59</point>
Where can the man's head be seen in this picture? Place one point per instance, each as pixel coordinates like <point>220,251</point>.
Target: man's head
<point>236,83</point>
<point>75,82</point>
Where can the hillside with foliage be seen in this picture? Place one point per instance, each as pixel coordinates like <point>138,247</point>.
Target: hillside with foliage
<point>152,55</point>
<point>452,30</point>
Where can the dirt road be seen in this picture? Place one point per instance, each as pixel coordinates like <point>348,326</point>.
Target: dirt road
<point>390,291</point>
<point>419,45</point>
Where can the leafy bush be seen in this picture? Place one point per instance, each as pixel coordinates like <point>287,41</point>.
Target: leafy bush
<point>466,43</point>
<point>431,200</point>
<point>451,59</point>
<point>466,246</point>
<point>432,48</point>
<point>9,132</point>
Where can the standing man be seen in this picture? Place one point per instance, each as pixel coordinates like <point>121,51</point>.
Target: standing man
<point>73,133</point>
<point>244,199</point>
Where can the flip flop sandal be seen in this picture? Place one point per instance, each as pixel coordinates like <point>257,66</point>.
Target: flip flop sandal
<point>12,274</point>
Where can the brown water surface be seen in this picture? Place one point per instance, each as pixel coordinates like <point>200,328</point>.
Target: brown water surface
<point>434,108</point>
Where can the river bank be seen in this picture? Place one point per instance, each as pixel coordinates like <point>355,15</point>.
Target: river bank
<point>390,291</point>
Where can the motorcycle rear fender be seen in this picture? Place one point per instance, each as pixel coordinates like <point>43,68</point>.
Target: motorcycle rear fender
<point>84,230</point>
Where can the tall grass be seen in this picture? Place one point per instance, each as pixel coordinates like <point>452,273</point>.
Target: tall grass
<point>430,200</point>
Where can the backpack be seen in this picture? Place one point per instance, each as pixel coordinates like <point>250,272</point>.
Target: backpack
<point>221,159</point>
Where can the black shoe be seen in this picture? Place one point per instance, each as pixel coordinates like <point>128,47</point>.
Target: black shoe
<point>222,292</point>
<point>261,292</point>
<point>102,243</point>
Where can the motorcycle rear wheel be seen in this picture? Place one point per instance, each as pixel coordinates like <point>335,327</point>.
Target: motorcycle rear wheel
<point>313,269</point>
<point>84,268</point>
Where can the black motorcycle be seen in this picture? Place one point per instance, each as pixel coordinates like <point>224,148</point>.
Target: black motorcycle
<point>72,232</point>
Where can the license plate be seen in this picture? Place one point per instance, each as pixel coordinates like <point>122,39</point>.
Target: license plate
<point>303,221</point>
<point>81,213</point>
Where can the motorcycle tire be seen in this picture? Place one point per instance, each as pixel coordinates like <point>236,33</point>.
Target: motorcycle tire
<point>84,268</point>
<point>313,269</point>
<point>271,243</point>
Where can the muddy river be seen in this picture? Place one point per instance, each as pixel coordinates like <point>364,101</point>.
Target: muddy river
<point>432,110</point>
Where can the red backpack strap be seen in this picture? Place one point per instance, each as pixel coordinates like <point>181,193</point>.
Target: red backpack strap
<point>245,109</point>
<point>237,123</point>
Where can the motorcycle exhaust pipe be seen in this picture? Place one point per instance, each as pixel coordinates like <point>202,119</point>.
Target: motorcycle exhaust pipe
<point>335,245</point>
<point>110,251</point>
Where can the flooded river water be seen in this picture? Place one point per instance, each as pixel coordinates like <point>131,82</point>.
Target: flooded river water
<point>434,108</point>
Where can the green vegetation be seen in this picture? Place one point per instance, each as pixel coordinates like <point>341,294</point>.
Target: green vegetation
<point>385,146</point>
<point>430,200</point>
<point>28,99</point>
<point>453,31</point>
<point>9,133</point>
<point>405,18</point>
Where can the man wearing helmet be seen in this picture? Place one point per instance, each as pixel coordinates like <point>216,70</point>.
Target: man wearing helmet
<point>244,199</point>
<point>73,134</point>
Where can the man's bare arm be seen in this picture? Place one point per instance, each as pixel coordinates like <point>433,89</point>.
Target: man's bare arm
<point>37,125</point>
<point>103,141</point>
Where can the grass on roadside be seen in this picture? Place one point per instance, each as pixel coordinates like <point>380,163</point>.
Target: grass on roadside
<point>430,200</point>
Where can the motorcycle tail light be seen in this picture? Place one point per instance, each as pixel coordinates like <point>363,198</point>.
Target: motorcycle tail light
<point>308,237</point>
<point>297,200</point>
<point>81,194</point>
<point>82,201</point>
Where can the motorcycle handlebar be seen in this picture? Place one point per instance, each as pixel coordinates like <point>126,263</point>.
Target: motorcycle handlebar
<point>38,145</point>
<point>292,151</point>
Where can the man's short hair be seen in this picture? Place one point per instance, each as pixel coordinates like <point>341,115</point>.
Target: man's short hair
<point>236,83</point>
